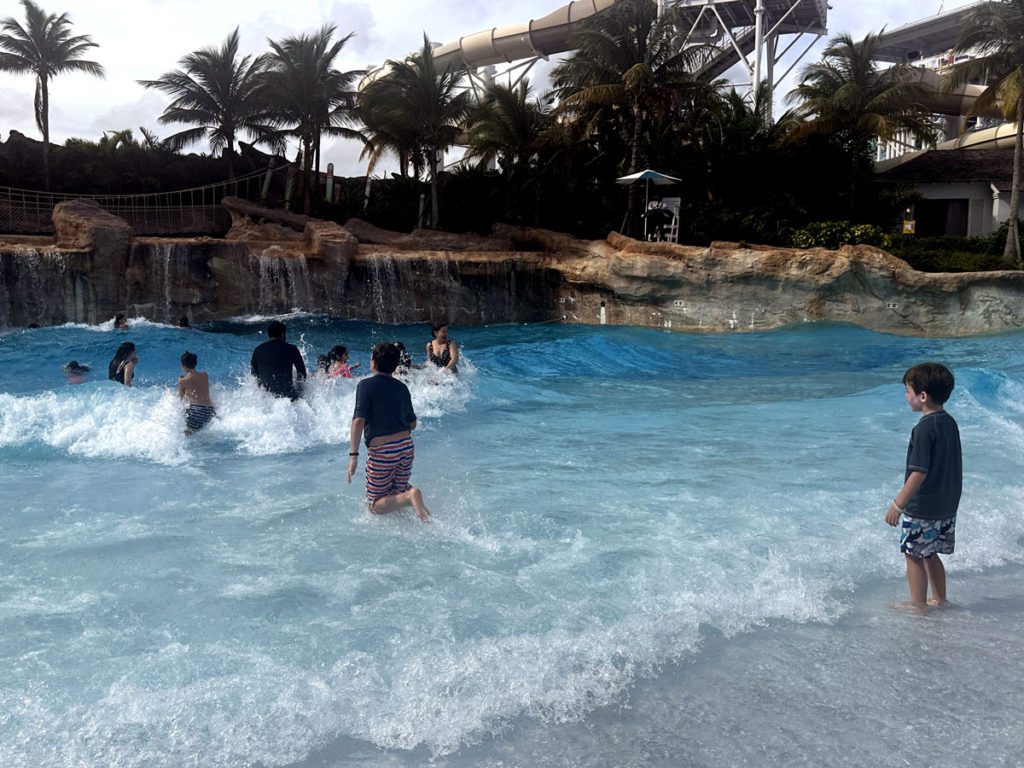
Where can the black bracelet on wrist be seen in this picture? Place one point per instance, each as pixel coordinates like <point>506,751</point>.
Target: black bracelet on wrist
<point>353,454</point>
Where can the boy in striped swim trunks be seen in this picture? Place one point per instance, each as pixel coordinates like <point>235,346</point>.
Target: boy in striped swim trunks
<point>384,418</point>
<point>926,506</point>
<point>194,386</point>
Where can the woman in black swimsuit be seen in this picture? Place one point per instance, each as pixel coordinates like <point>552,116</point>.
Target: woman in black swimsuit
<point>442,351</point>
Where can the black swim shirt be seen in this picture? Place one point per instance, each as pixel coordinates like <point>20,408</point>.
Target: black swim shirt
<point>935,449</point>
<point>386,405</point>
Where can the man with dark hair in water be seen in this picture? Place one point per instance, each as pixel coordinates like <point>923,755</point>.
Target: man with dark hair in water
<point>273,361</point>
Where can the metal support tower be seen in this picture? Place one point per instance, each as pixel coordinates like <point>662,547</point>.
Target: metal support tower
<point>749,33</point>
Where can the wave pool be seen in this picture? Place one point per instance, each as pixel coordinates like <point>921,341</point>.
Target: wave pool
<point>648,549</point>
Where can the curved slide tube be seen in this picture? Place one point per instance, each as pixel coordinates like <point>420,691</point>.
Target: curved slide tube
<point>959,102</point>
<point>955,102</point>
<point>545,36</point>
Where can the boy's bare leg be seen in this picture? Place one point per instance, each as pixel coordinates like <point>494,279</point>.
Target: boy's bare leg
<point>411,498</point>
<point>917,579</point>
<point>937,578</point>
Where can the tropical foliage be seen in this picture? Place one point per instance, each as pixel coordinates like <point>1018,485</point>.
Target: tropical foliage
<point>308,97</point>
<point>848,96</point>
<point>627,69</point>
<point>220,94</point>
<point>45,47</point>
<point>995,31</point>
<point>417,109</point>
<point>625,98</point>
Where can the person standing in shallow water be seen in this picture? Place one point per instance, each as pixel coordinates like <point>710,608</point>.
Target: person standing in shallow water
<point>194,386</point>
<point>443,351</point>
<point>273,362</point>
<point>385,418</point>
<point>122,366</point>
<point>925,507</point>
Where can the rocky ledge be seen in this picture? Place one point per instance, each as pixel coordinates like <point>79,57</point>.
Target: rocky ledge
<point>272,261</point>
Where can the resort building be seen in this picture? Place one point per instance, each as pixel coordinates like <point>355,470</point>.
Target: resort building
<point>964,181</point>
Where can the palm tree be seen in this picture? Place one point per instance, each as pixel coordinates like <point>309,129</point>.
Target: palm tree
<point>847,96</point>
<point>847,99</point>
<point>429,103</point>
<point>627,65</point>
<point>45,47</point>
<point>309,96</point>
<point>507,126</point>
<point>995,31</point>
<point>219,93</point>
<point>387,129</point>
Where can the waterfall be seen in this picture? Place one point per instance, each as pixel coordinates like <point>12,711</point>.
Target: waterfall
<point>445,289</point>
<point>166,268</point>
<point>283,281</point>
<point>384,290</point>
<point>32,287</point>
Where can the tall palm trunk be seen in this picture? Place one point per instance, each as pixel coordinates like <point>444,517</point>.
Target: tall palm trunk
<point>230,151</point>
<point>433,188</point>
<point>1011,253</point>
<point>44,119</point>
<point>307,175</point>
<point>634,162</point>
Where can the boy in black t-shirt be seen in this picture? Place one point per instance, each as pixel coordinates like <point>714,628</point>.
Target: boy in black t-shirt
<point>384,415</point>
<point>928,501</point>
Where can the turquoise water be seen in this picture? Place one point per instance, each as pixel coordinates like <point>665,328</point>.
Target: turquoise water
<point>639,538</point>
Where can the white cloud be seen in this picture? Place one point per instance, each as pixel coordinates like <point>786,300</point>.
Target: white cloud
<point>141,39</point>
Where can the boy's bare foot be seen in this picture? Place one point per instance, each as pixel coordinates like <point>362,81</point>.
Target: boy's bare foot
<point>907,607</point>
<point>417,503</point>
<point>936,603</point>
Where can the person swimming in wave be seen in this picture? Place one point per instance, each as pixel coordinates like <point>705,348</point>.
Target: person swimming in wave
<point>74,371</point>
<point>122,366</point>
<point>443,351</point>
<point>120,322</point>
<point>337,363</point>
<point>194,386</point>
<point>405,362</point>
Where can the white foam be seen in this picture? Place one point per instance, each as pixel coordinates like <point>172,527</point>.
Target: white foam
<point>103,420</point>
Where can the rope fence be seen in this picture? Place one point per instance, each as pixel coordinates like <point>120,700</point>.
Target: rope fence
<point>187,211</point>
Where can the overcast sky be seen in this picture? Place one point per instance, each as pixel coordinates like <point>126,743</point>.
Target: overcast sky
<point>142,39</point>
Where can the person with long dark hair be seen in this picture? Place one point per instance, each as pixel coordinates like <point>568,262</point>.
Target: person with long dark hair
<point>122,367</point>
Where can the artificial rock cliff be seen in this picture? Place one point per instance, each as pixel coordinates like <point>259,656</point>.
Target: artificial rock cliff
<point>272,261</point>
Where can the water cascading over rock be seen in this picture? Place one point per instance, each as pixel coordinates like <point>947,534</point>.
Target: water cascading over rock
<point>283,281</point>
<point>33,287</point>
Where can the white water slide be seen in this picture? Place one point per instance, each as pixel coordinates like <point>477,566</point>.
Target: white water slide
<point>758,34</point>
<point>933,38</point>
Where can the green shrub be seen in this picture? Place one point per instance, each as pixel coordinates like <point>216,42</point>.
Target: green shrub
<point>833,234</point>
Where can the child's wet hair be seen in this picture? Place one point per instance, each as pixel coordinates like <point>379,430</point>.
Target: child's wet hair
<point>189,359</point>
<point>386,357</point>
<point>934,379</point>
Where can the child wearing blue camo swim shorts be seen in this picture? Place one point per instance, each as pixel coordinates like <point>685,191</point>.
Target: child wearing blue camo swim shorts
<point>927,503</point>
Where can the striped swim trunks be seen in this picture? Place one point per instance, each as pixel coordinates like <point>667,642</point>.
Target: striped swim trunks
<point>198,416</point>
<point>388,468</point>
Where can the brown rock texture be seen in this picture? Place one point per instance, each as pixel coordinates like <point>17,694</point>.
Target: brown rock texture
<point>83,225</point>
<point>518,274</point>
<point>427,239</point>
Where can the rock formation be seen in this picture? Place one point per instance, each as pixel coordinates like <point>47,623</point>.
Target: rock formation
<point>273,261</point>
